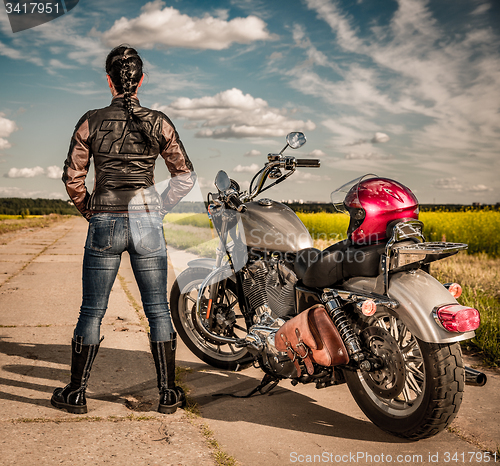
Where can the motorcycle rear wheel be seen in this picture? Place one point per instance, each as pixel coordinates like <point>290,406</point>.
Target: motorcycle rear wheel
<point>419,391</point>
<point>187,323</point>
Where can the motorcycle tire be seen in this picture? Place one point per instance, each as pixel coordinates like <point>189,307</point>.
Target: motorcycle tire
<point>187,324</point>
<point>418,392</point>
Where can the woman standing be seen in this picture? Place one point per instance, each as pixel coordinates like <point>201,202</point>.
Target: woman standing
<point>125,213</point>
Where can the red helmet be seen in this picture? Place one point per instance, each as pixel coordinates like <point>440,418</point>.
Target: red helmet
<point>373,203</point>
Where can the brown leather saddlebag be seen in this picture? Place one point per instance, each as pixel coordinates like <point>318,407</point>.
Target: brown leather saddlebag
<point>312,337</point>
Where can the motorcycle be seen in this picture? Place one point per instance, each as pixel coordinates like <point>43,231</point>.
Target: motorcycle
<point>365,311</point>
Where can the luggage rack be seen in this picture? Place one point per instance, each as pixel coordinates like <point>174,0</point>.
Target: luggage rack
<point>402,256</point>
<point>407,254</point>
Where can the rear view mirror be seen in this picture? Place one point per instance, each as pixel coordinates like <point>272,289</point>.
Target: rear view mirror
<point>296,140</point>
<point>222,181</point>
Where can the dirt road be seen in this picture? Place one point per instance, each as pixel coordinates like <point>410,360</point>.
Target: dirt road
<point>40,287</point>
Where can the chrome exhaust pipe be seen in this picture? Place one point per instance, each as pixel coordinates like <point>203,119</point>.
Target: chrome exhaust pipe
<point>473,377</point>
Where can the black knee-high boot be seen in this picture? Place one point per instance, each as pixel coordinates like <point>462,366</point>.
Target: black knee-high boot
<point>72,396</point>
<point>171,397</point>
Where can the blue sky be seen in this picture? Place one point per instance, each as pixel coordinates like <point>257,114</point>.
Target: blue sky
<point>407,89</point>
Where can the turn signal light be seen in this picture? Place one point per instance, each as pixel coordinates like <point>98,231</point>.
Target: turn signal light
<point>455,289</point>
<point>457,318</point>
<point>369,308</point>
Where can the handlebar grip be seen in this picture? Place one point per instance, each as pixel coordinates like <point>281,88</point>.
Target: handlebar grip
<point>234,200</point>
<point>311,163</point>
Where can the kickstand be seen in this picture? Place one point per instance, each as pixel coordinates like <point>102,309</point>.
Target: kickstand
<point>267,380</point>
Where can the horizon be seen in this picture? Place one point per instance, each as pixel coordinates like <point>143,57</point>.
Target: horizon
<point>406,89</point>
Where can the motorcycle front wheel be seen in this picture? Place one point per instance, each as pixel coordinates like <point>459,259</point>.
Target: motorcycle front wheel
<point>226,314</point>
<point>418,391</point>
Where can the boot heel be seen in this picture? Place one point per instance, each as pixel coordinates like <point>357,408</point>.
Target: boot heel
<point>72,396</point>
<point>163,409</point>
<point>171,396</point>
<point>70,408</point>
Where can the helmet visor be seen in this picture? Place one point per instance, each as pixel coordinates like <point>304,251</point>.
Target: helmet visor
<point>339,196</point>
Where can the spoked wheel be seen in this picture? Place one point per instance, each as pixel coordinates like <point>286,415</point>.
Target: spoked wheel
<point>192,327</point>
<point>418,391</point>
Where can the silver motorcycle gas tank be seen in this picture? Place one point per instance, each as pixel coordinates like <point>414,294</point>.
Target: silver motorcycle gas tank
<point>272,226</point>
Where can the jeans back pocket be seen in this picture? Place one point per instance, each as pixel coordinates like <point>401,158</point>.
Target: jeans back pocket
<point>101,233</point>
<point>150,235</point>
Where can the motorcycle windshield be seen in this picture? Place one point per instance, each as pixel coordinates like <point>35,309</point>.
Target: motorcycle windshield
<point>338,196</point>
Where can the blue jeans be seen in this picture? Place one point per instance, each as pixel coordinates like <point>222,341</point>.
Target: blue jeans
<point>109,234</point>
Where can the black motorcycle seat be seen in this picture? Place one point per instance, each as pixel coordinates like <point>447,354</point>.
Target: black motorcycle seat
<point>338,262</point>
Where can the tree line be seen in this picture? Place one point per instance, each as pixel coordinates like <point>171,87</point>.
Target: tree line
<point>313,207</point>
<point>26,206</point>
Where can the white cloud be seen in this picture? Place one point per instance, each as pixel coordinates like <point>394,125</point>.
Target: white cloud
<point>380,138</point>
<point>314,56</point>
<point>13,191</point>
<point>162,26</point>
<point>25,172</point>
<point>232,114</point>
<point>4,144</point>
<point>316,153</point>
<point>55,172</point>
<point>16,54</point>
<point>7,127</point>
<point>253,153</point>
<point>479,188</point>
<point>414,65</point>
<point>339,23</point>
<point>448,184</point>
<point>377,139</point>
<point>302,177</point>
<point>84,48</point>
<point>246,168</point>
<point>481,9</point>
<point>368,156</point>
<point>275,56</point>
<point>55,63</point>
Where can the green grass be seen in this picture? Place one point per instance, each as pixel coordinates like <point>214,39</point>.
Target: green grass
<point>479,229</point>
<point>195,239</point>
<point>325,228</point>
<point>478,270</point>
<point>12,223</point>
<point>479,276</point>
<point>197,220</point>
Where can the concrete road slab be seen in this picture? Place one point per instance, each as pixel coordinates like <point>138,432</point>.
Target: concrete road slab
<point>46,293</point>
<point>34,361</point>
<point>116,443</point>
<point>478,420</point>
<point>293,422</point>
<point>9,266</point>
<point>291,425</point>
<point>39,307</point>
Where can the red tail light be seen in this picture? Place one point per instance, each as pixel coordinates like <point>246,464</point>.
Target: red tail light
<point>457,318</point>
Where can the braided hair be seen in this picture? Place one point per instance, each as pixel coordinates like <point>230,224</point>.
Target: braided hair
<point>124,67</point>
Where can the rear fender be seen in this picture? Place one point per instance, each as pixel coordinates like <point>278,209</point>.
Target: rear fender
<point>418,294</point>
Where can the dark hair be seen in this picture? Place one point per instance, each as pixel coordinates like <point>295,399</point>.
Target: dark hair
<point>124,67</point>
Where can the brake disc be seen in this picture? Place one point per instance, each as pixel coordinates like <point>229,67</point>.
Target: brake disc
<point>389,381</point>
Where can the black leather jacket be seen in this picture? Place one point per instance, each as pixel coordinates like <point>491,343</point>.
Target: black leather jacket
<point>123,163</point>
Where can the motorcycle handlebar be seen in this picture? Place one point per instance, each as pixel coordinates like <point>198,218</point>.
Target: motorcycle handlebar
<point>235,202</point>
<point>310,163</point>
